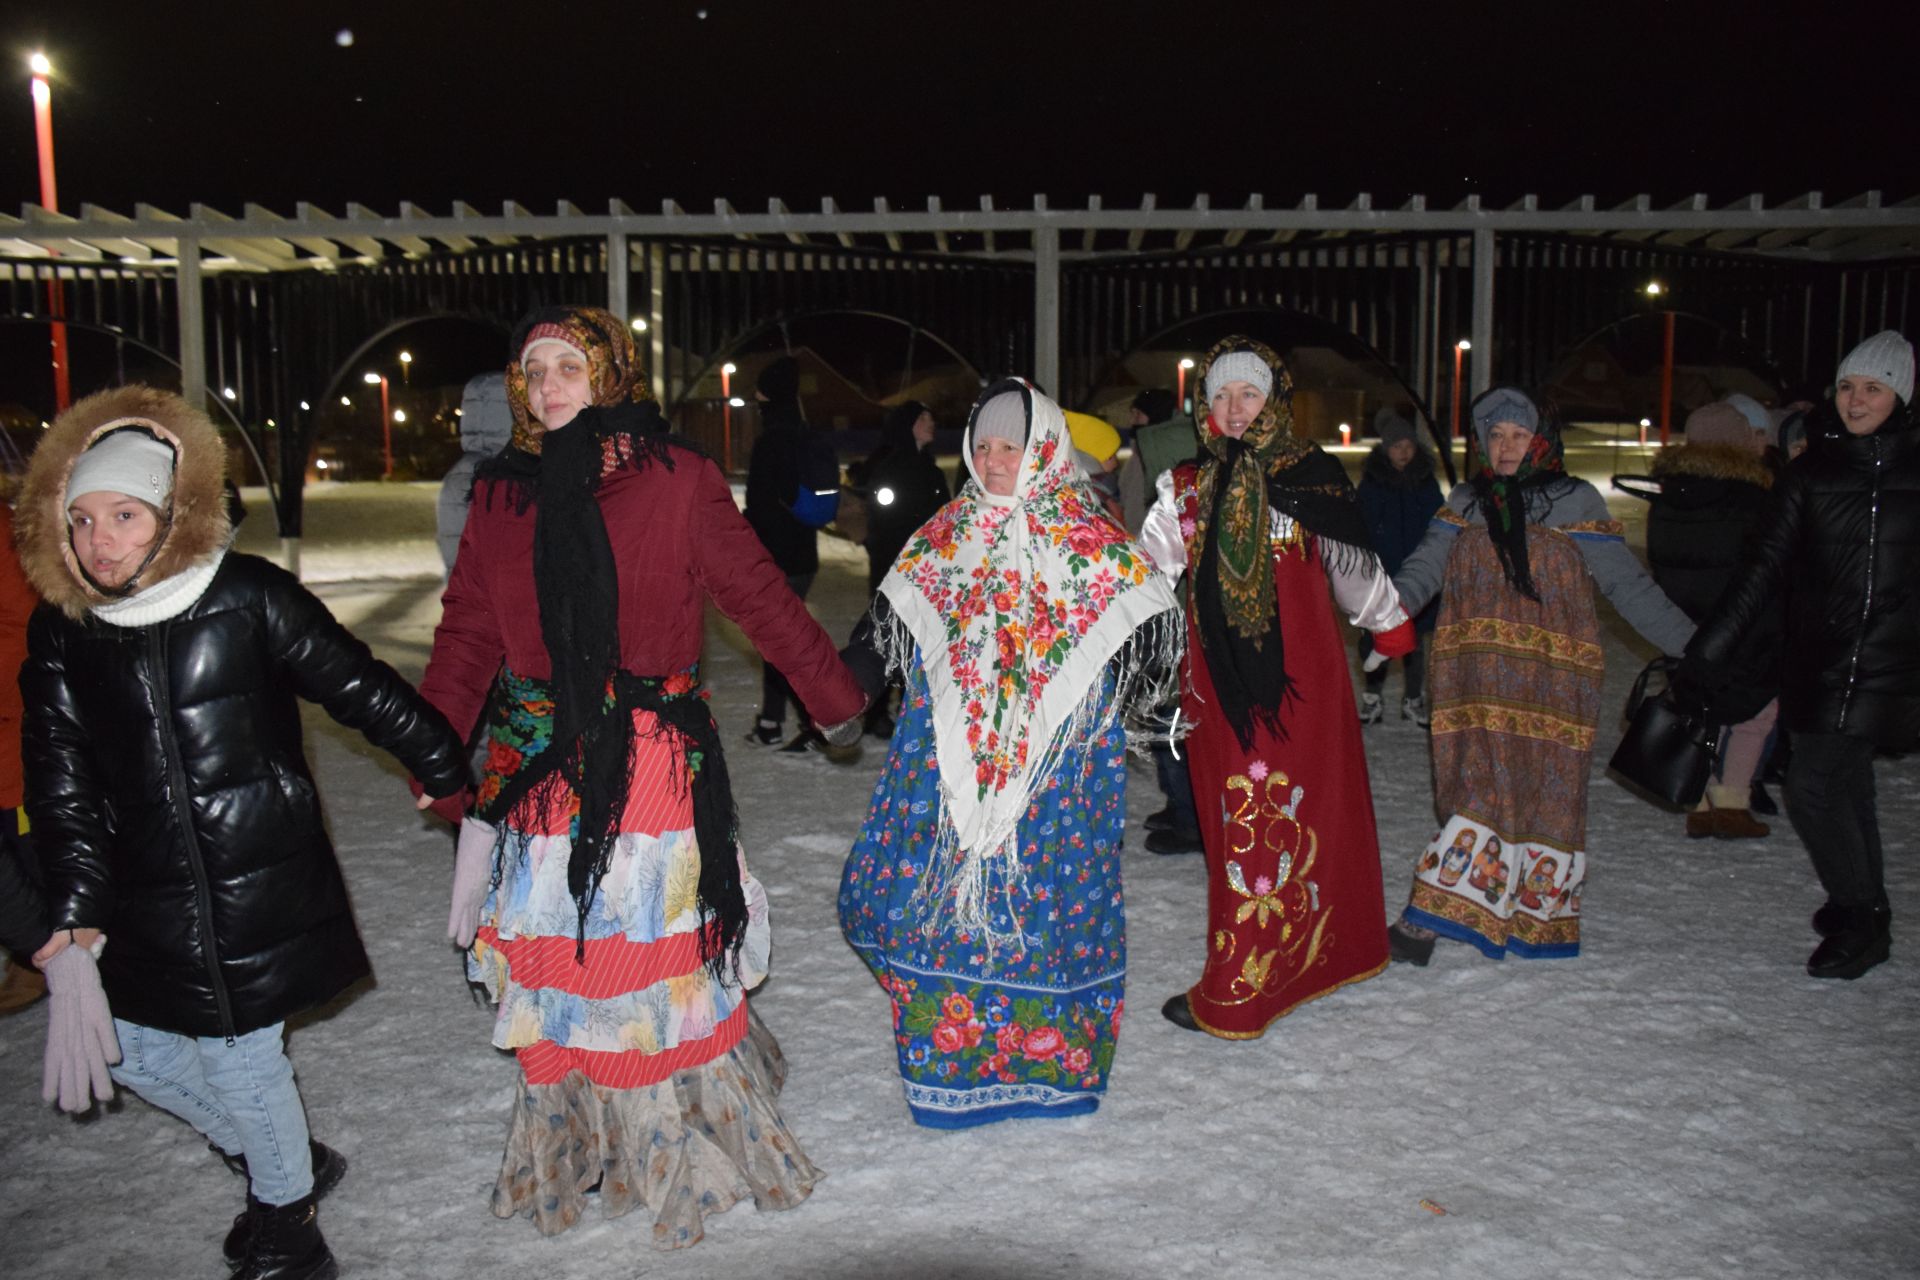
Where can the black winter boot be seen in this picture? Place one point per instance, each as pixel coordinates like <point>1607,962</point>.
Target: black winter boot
<point>287,1245</point>
<point>1864,939</point>
<point>1831,918</point>
<point>329,1166</point>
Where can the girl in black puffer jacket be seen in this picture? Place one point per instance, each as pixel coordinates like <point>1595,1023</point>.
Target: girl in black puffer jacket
<point>1841,549</point>
<point>178,826</point>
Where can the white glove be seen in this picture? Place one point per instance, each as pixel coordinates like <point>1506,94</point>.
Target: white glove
<point>80,1036</point>
<point>1375,661</point>
<point>846,733</point>
<point>472,879</point>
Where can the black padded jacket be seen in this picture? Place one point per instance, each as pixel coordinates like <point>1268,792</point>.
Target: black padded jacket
<point>173,806</point>
<point>1840,549</point>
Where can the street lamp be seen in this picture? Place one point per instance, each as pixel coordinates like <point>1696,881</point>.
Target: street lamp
<point>639,324</point>
<point>1657,290</point>
<point>406,367</point>
<point>386,421</point>
<point>727,371</point>
<point>50,201</point>
<point>1180,381</point>
<point>1460,350</point>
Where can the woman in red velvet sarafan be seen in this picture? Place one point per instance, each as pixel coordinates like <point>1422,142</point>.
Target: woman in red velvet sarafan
<point>600,882</point>
<point>1267,522</point>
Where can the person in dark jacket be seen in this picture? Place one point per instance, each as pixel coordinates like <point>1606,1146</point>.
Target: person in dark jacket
<point>1712,493</point>
<point>785,456</point>
<point>904,487</point>
<point>1840,547</point>
<point>179,830</point>
<point>905,484</point>
<point>1398,495</point>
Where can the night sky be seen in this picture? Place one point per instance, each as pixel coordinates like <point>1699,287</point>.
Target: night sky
<point>484,102</point>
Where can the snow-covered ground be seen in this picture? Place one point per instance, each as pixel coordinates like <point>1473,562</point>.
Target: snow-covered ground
<point>1682,1100</point>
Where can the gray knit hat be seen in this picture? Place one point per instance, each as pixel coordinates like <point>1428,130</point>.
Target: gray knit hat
<point>1002,418</point>
<point>1887,358</point>
<point>128,461</point>
<point>1239,366</point>
<point>1392,427</point>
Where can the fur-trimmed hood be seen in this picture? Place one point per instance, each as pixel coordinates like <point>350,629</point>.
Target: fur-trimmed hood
<point>197,523</point>
<point>1713,462</point>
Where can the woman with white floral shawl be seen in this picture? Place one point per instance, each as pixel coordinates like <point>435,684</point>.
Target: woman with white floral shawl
<point>984,890</point>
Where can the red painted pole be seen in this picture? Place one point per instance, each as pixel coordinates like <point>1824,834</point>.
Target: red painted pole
<point>1666,376</point>
<point>1180,385</point>
<point>50,201</point>
<point>726,421</point>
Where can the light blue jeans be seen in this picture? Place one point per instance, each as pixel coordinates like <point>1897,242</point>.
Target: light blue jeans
<point>241,1095</point>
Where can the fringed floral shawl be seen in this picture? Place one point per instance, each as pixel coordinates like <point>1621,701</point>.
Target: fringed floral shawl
<point>1016,606</point>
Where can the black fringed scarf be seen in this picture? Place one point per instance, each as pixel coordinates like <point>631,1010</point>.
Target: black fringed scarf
<point>1240,483</point>
<point>591,751</point>
<point>1503,500</point>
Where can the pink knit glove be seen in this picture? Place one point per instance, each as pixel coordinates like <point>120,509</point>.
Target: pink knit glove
<point>472,878</point>
<point>80,1036</point>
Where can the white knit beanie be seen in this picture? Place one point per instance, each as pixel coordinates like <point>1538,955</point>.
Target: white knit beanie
<point>1239,366</point>
<point>128,461</point>
<point>1887,358</point>
<point>1002,418</point>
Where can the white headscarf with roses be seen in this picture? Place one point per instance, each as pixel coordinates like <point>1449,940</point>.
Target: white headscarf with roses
<point>1016,605</point>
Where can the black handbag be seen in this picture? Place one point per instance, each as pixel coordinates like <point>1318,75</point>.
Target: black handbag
<point>1667,752</point>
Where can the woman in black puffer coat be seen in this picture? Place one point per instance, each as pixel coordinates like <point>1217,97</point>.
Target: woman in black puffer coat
<point>1713,496</point>
<point>1841,550</point>
<point>175,815</point>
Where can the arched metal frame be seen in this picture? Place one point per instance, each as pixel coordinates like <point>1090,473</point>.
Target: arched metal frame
<point>269,304</point>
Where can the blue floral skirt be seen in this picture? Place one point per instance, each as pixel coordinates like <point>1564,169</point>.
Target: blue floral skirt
<point>984,1033</point>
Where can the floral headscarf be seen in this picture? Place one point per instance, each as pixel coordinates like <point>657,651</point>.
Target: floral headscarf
<point>613,362</point>
<point>1240,485</point>
<point>1017,605</point>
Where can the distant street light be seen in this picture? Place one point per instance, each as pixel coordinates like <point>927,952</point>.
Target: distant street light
<point>399,415</point>
<point>1180,381</point>
<point>345,403</point>
<point>639,324</point>
<point>229,393</point>
<point>386,421</point>
<point>50,201</point>
<point>406,367</point>
<point>727,406</point>
<point>1658,291</point>
<point>1460,350</point>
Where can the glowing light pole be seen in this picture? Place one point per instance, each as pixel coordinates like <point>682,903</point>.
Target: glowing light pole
<point>1180,382</point>
<point>50,201</point>
<point>386,421</point>
<point>406,368</point>
<point>1460,350</point>
<point>1655,290</point>
<point>727,371</point>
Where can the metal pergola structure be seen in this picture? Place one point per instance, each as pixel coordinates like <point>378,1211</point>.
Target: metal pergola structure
<point>1861,229</point>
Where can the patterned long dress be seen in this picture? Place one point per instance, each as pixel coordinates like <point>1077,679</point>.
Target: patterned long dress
<point>1516,702</point>
<point>637,1064</point>
<point>986,1034</point>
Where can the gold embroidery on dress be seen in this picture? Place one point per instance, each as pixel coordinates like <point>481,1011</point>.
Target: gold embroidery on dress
<point>1289,897</point>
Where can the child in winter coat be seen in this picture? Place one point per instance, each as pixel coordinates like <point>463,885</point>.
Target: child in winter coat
<point>176,818</point>
<point>1398,495</point>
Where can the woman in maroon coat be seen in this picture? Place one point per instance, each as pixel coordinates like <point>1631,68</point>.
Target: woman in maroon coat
<point>599,882</point>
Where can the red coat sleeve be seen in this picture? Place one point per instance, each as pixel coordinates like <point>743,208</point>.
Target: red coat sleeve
<point>468,646</point>
<point>17,601</point>
<point>735,570</point>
